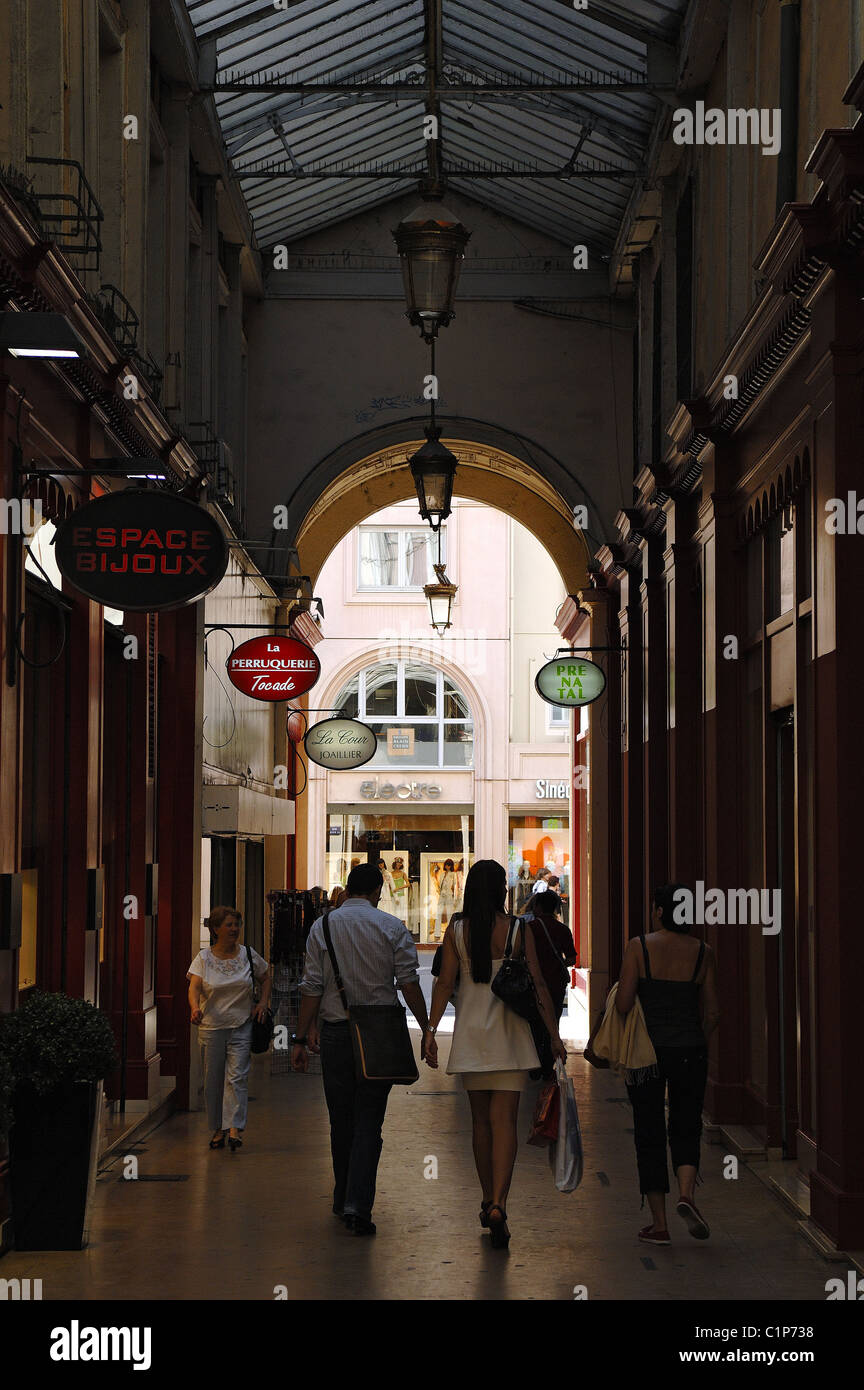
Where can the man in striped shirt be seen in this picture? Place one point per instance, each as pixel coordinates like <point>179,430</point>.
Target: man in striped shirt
<point>376,955</point>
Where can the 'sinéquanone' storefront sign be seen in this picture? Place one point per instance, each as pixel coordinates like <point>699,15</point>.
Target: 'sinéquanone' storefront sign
<point>141,550</point>
<point>569,683</point>
<point>544,790</point>
<point>340,743</point>
<point>273,668</point>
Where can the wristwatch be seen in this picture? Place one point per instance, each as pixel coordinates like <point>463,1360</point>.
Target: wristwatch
<point>298,1042</point>
<point>430,1029</point>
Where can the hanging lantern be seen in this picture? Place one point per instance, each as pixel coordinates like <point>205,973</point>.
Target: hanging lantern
<point>433,469</point>
<point>431,243</point>
<point>440,597</point>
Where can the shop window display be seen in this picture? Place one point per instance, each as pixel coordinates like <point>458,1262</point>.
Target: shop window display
<point>423,861</point>
<point>537,844</point>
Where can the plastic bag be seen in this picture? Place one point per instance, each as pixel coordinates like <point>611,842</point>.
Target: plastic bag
<point>565,1155</point>
<point>544,1126</point>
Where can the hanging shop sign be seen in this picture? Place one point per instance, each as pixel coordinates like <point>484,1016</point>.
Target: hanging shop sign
<point>273,668</point>
<point>569,683</point>
<point>340,743</point>
<point>141,550</point>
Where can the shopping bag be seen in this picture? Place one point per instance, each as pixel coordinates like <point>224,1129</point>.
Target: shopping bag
<point>565,1155</point>
<point>544,1126</point>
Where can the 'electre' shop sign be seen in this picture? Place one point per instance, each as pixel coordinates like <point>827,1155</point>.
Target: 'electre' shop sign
<point>141,550</point>
<point>273,668</point>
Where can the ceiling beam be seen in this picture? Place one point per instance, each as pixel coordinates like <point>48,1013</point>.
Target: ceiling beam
<point>467,171</point>
<point>374,91</point>
<point>433,46</point>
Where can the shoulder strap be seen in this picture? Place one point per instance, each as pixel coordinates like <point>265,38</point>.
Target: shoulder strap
<point>647,960</point>
<point>251,972</point>
<point>333,961</point>
<point>699,960</point>
<point>524,923</point>
<point>552,945</point>
<point>508,948</point>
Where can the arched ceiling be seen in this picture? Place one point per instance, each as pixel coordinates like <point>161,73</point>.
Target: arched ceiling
<point>545,111</point>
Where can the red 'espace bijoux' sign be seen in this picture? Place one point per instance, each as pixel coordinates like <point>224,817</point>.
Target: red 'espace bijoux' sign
<point>142,549</point>
<point>273,668</point>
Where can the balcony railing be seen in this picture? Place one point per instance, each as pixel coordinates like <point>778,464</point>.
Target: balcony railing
<point>68,209</point>
<point>216,457</point>
<point>117,317</point>
<point>148,368</point>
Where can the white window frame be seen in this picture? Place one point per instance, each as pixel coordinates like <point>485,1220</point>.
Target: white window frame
<point>557,719</point>
<point>400,717</point>
<point>402,584</point>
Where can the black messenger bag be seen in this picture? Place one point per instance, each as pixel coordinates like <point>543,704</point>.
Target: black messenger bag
<point>379,1034</point>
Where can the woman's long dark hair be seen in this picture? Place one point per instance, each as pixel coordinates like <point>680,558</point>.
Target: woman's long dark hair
<point>485,895</point>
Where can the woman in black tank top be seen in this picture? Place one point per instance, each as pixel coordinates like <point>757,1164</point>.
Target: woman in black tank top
<point>674,979</point>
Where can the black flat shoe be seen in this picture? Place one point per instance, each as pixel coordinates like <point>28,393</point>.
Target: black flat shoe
<point>360,1226</point>
<point>218,1143</point>
<point>234,1144</point>
<point>484,1214</point>
<point>498,1228</point>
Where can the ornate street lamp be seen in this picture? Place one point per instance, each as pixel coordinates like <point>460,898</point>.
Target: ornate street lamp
<point>433,469</point>
<point>431,243</point>
<point>440,596</point>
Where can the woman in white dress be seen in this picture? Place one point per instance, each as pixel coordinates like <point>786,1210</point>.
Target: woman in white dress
<point>386,901</point>
<point>401,885</point>
<point>492,1047</point>
<point>448,894</point>
<point>221,1002</point>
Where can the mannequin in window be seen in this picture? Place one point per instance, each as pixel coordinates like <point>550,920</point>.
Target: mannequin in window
<point>448,895</point>
<point>524,887</point>
<point>387,900</point>
<point>338,889</point>
<point>400,890</point>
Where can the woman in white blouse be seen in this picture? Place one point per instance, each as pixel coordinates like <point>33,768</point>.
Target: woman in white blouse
<point>221,999</point>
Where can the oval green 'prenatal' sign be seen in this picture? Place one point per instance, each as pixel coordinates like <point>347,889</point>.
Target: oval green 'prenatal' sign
<point>340,743</point>
<point>570,682</point>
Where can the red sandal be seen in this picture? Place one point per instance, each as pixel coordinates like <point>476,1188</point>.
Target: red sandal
<point>652,1237</point>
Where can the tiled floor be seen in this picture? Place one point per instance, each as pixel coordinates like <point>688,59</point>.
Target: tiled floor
<point>240,1225</point>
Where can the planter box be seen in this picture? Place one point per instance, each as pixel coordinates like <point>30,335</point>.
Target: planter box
<point>52,1165</point>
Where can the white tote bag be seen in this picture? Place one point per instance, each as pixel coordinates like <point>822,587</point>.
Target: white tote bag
<point>565,1155</point>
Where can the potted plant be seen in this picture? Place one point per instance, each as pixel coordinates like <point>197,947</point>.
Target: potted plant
<point>58,1050</point>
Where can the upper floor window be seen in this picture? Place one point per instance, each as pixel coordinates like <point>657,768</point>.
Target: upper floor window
<point>420,717</point>
<point>557,718</point>
<point>397,557</point>
<point>781,563</point>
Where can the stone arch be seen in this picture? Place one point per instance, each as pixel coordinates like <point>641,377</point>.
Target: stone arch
<point>486,473</point>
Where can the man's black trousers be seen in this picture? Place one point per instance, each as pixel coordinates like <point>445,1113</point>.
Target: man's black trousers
<point>356,1115</point>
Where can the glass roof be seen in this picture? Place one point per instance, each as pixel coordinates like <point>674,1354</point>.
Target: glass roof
<point>521,89</point>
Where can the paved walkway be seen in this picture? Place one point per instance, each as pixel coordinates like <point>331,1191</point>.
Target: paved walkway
<point>239,1225</point>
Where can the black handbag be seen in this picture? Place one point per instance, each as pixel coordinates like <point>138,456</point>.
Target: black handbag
<point>262,1032</point>
<point>379,1034</point>
<point>514,984</point>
